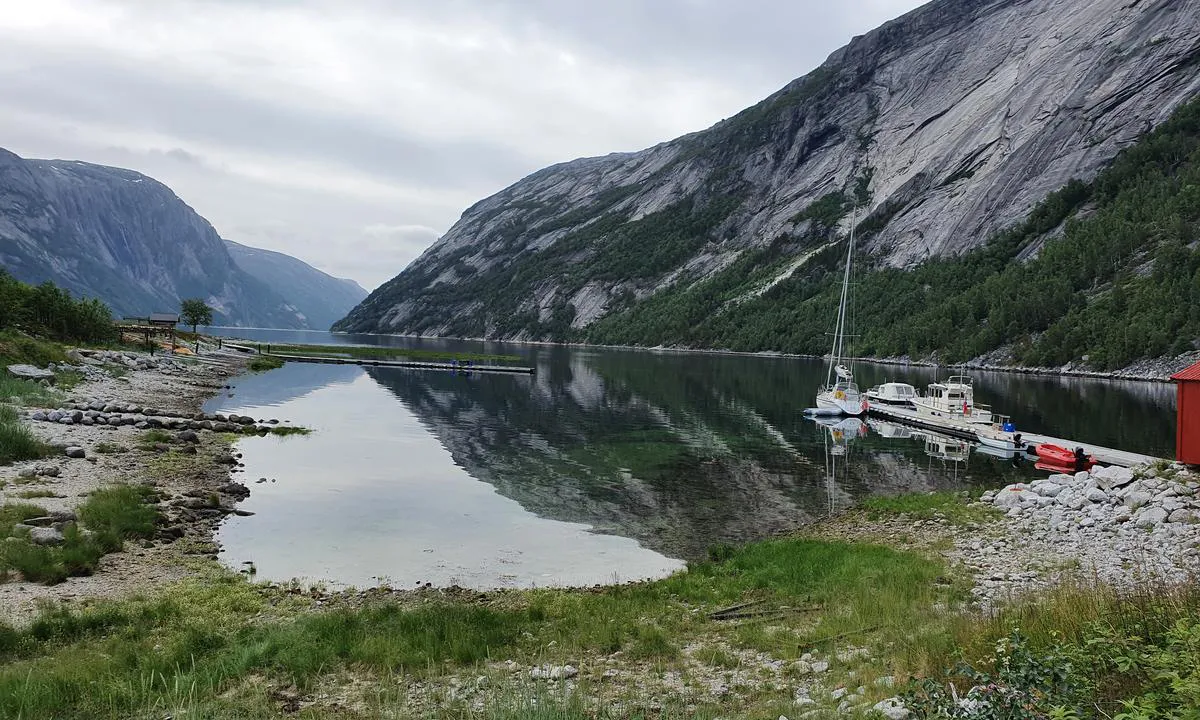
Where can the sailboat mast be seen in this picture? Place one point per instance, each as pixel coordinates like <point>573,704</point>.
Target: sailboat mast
<point>840,330</point>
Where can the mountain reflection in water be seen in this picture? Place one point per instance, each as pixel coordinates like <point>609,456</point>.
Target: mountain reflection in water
<point>677,452</point>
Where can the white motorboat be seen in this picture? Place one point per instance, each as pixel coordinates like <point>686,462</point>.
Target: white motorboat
<point>840,395</point>
<point>999,438</point>
<point>894,394</point>
<point>953,400</point>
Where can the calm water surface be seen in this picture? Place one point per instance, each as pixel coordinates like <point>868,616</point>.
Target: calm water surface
<point>606,465</point>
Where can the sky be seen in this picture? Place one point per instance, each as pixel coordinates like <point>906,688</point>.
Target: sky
<point>353,133</point>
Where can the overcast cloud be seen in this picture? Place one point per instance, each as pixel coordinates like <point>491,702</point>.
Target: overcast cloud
<point>352,134</point>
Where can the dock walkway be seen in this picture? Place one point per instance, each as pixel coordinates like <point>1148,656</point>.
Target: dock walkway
<point>1103,455</point>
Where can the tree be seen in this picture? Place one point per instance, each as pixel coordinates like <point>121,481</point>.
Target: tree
<point>195,312</point>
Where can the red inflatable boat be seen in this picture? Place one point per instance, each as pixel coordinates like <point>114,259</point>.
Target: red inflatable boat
<point>1060,457</point>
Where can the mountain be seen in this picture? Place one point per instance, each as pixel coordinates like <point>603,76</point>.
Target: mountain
<point>319,298</point>
<point>127,239</point>
<point>944,126</point>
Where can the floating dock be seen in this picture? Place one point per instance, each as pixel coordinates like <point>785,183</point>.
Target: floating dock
<point>958,429</point>
<point>1103,455</point>
<point>910,417</point>
<point>414,364</point>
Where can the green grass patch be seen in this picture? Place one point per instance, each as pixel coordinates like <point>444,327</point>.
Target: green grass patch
<point>208,638</point>
<point>17,442</point>
<point>34,494</point>
<point>19,348</point>
<point>68,379</point>
<point>27,393</point>
<point>376,352</point>
<point>110,516</point>
<point>262,363</point>
<point>289,430</point>
<point>957,508</point>
<point>148,439</point>
<point>108,448</point>
<point>1080,650</point>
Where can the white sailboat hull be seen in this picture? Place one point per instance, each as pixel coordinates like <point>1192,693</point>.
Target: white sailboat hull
<point>828,403</point>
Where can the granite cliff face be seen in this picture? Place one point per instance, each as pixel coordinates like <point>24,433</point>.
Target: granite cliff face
<point>947,124</point>
<point>127,239</point>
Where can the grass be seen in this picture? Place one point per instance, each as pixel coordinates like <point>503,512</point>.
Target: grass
<point>27,393</point>
<point>220,647</point>
<point>18,348</point>
<point>110,516</point>
<point>148,439</point>
<point>289,430</point>
<point>108,448</point>
<point>209,638</point>
<point>262,363</point>
<point>957,508</point>
<point>384,353</point>
<point>17,442</point>
<point>34,494</point>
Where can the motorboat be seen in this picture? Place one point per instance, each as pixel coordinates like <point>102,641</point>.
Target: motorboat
<point>953,399</point>
<point>894,394</point>
<point>999,438</point>
<point>840,395</point>
<point>1063,459</point>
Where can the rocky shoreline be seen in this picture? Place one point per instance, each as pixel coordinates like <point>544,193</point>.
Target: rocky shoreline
<point>101,430</point>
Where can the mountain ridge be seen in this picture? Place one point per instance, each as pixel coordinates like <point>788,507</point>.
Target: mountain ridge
<point>127,239</point>
<point>948,123</point>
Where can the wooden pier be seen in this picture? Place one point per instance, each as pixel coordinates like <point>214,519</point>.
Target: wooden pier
<point>958,429</point>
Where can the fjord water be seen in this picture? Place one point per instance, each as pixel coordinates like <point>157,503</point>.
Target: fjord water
<point>607,465</point>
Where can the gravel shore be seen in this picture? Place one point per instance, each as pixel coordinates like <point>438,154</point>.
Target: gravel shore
<point>187,474</point>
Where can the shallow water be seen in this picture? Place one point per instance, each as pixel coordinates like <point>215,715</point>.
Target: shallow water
<point>606,465</point>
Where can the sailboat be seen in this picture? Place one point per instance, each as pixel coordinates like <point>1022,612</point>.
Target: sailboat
<point>839,395</point>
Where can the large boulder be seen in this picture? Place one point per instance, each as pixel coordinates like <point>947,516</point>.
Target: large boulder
<point>46,536</point>
<point>1014,496</point>
<point>29,372</point>
<point>1111,477</point>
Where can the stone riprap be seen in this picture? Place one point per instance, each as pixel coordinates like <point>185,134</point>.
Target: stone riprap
<point>1118,525</point>
<point>115,414</point>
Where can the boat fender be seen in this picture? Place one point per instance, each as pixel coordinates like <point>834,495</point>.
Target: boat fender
<point>865,406</point>
<point>966,409</point>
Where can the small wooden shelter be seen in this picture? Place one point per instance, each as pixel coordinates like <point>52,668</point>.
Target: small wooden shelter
<point>167,320</point>
<point>1187,418</point>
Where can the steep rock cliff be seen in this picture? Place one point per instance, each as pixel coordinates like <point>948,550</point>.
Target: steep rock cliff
<point>945,125</point>
<point>125,238</point>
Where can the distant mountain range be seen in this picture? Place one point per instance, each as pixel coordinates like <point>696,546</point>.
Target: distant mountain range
<point>128,240</point>
<point>320,298</point>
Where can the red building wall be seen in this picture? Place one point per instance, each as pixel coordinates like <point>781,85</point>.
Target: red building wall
<point>1187,433</point>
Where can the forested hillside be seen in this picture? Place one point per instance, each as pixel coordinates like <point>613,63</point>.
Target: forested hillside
<point>1119,280</point>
